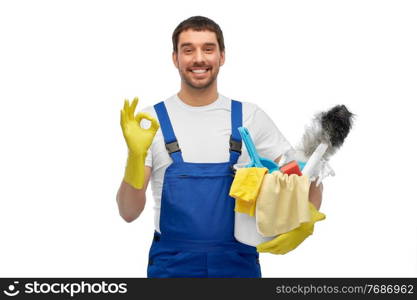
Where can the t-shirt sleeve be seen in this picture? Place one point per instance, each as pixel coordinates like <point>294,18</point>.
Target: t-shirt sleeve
<point>269,141</point>
<point>148,159</point>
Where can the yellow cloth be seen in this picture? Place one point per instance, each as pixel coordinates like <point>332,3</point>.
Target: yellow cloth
<point>245,207</point>
<point>245,188</point>
<point>138,141</point>
<point>287,242</point>
<point>282,203</point>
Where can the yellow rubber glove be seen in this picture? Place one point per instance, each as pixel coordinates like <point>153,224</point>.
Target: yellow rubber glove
<point>287,242</point>
<point>138,141</point>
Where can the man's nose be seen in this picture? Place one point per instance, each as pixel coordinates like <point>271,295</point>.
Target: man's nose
<point>199,56</point>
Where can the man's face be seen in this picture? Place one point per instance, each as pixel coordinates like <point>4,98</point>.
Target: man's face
<point>199,58</point>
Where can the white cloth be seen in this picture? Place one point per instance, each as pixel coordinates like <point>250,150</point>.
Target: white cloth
<point>203,134</point>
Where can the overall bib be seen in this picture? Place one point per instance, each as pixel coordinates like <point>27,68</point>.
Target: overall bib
<point>197,214</point>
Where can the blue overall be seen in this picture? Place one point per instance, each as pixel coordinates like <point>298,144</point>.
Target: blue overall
<point>197,215</point>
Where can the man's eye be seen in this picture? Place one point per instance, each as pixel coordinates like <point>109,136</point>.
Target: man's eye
<point>209,49</point>
<point>187,50</point>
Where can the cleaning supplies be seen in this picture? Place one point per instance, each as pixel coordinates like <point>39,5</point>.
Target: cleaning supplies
<point>245,223</point>
<point>314,160</point>
<point>247,183</point>
<point>245,189</point>
<point>245,230</point>
<point>323,138</point>
<point>282,203</point>
<point>138,141</point>
<point>256,160</point>
<point>287,242</point>
<point>291,168</point>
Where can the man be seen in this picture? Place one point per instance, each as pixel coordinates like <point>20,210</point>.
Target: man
<point>190,163</point>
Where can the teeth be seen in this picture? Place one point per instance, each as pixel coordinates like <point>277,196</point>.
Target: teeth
<point>199,71</point>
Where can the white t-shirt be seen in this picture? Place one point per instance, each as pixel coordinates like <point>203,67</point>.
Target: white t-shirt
<point>203,134</point>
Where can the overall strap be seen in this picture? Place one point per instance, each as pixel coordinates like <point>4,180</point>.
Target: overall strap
<point>171,143</point>
<point>235,138</point>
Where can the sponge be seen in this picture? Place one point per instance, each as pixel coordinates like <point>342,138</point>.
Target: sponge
<point>291,168</point>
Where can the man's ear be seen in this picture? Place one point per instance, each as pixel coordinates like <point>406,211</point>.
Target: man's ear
<point>222,58</point>
<point>175,58</point>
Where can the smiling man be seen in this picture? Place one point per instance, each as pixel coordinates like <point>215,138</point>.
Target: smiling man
<point>198,56</point>
<point>190,162</point>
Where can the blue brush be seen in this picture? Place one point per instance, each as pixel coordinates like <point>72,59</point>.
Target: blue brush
<point>256,160</point>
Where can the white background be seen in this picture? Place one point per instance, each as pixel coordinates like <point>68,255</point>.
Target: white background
<point>66,67</point>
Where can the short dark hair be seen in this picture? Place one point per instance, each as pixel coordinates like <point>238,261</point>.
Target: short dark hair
<point>198,23</point>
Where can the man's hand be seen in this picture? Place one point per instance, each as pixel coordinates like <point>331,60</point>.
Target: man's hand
<point>315,194</point>
<point>138,141</point>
